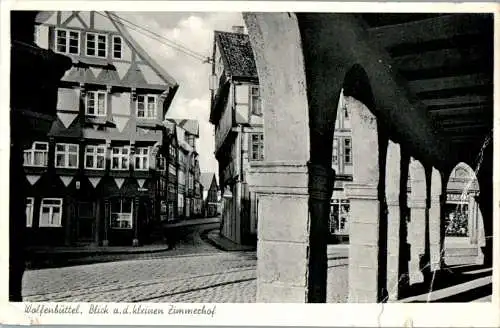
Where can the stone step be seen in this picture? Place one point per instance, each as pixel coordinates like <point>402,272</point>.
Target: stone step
<point>461,251</point>
<point>459,260</point>
<point>462,254</point>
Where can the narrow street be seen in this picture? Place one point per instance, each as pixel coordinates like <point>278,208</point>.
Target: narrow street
<point>195,271</point>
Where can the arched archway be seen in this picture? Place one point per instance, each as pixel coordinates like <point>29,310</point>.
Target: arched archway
<point>463,219</point>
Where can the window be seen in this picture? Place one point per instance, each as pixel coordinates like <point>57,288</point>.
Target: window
<point>181,179</point>
<point>96,104</point>
<point>146,106</point>
<point>456,219</point>
<point>117,47</point>
<point>190,181</point>
<point>51,212</point>
<point>255,101</point>
<point>121,213</point>
<point>120,158</point>
<point>66,156</point>
<point>335,157</point>
<point>257,144</point>
<point>347,151</point>
<point>172,169</point>
<point>141,156</point>
<point>96,45</point>
<point>182,157</point>
<point>95,157</point>
<point>67,42</point>
<point>30,201</point>
<point>37,155</point>
<point>339,216</point>
<point>172,151</point>
<point>162,163</point>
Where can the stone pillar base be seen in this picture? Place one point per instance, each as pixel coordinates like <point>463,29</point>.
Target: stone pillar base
<point>364,237</point>
<point>393,251</point>
<point>135,242</point>
<point>105,242</point>
<point>416,239</point>
<point>283,230</point>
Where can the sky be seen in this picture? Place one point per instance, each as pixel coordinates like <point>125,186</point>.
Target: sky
<point>195,31</point>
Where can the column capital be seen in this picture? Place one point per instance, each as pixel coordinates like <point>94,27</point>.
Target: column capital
<point>278,177</point>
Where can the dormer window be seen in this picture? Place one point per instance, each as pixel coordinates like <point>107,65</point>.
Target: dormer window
<point>96,45</point>
<point>67,42</point>
<point>146,106</point>
<point>96,104</point>
<point>117,47</point>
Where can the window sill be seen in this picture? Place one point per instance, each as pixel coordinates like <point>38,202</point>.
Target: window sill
<point>50,226</point>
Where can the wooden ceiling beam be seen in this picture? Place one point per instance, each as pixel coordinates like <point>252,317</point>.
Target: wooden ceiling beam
<point>461,111</point>
<point>465,100</point>
<point>442,27</point>
<point>462,81</point>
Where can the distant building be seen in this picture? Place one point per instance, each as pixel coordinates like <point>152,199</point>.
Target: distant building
<point>188,168</point>
<point>236,113</point>
<point>94,177</point>
<point>210,194</point>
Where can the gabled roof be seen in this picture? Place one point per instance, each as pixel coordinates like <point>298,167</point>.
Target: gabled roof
<point>206,179</point>
<point>190,126</point>
<point>237,55</point>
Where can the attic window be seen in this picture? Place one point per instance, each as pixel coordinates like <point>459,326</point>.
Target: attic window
<point>97,45</point>
<point>117,47</point>
<point>67,41</point>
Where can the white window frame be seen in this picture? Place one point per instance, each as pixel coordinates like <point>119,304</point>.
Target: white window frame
<point>172,169</point>
<point>96,44</point>
<point>30,201</point>
<point>141,153</point>
<point>113,43</point>
<point>96,103</point>
<point>33,151</point>
<point>121,214</point>
<point>145,102</point>
<point>260,146</point>
<point>66,153</point>
<point>67,39</point>
<point>51,207</point>
<point>95,156</point>
<point>253,96</point>
<point>121,157</point>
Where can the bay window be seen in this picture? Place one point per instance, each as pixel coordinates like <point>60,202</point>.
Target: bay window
<point>37,155</point>
<point>66,156</point>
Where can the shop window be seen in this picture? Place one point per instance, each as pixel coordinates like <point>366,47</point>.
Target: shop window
<point>121,213</point>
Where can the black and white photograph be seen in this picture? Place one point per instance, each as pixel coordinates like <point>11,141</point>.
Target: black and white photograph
<point>251,157</point>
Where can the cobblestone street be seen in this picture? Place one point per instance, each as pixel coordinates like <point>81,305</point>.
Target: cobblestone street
<point>194,272</point>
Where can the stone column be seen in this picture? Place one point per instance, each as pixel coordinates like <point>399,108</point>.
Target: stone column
<point>435,221</point>
<point>416,226</point>
<point>280,181</point>
<point>364,261</point>
<point>394,219</point>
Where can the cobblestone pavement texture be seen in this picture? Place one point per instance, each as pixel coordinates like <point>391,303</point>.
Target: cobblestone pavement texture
<point>194,272</point>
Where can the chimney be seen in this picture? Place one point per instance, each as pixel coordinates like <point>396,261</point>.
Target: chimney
<point>239,29</point>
